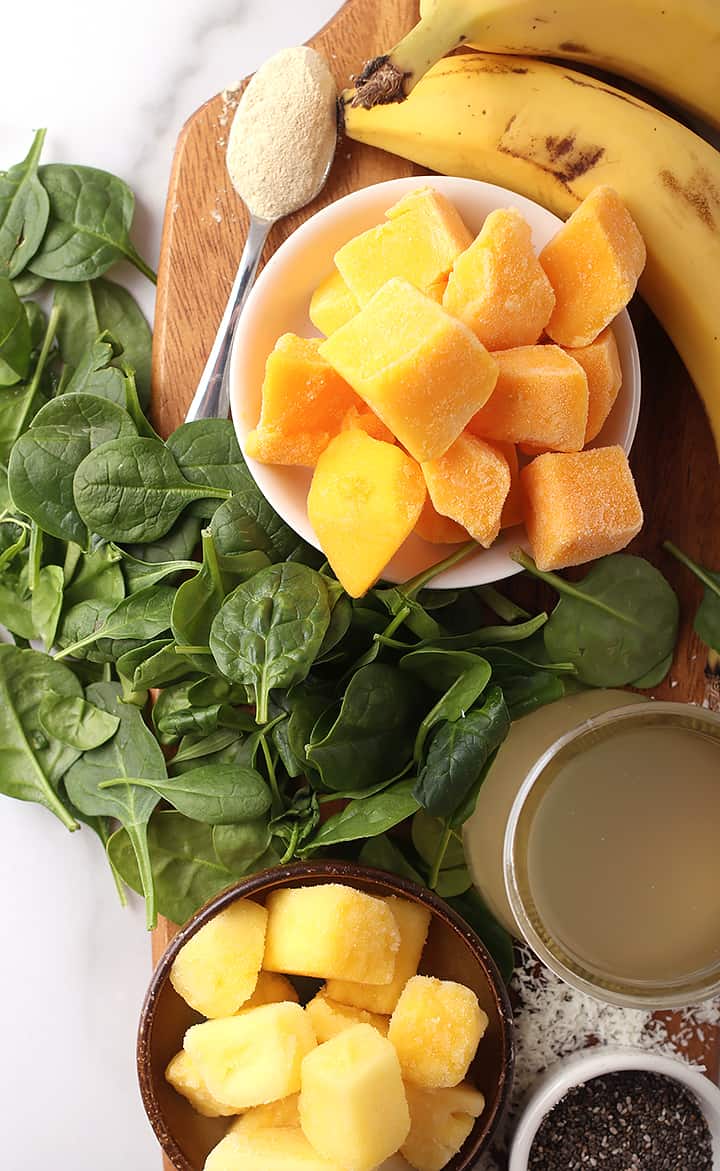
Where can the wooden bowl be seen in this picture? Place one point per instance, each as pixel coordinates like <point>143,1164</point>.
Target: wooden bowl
<point>453,952</point>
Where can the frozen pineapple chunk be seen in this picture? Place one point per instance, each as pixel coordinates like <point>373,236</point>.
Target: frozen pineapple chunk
<point>440,1121</point>
<point>184,1077</point>
<point>421,238</point>
<point>254,1057</point>
<point>330,1018</point>
<point>273,1149</point>
<point>352,1101</point>
<point>422,371</point>
<point>332,304</point>
<point>331,930</point>
<point>216,971</point>
<point>282,1113</point>
<point>413,921</point>
<point>271,988</point>
<point>436,1029</point>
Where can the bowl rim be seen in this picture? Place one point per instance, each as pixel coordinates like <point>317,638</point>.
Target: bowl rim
<point>330,871</point>
<point>578,1068</point>
<point>450,185</point>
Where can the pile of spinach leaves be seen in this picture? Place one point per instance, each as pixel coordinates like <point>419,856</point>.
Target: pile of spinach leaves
<point>287,720</point>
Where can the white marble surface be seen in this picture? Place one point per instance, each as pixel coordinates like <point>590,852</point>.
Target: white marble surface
<point>113,85</point>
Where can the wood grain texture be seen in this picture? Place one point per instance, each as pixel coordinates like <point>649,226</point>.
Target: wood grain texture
<point>674,459</point>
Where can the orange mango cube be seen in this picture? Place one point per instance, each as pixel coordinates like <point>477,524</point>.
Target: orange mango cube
<point>432,526</point>
<point>364,500</point>
<point>593,263</point>
<point>541,398</point>
<point>579,506</point>
<point>601,363</point>
<point>332,304</point>
<point>470,483</point>
<point>498,286</point>
<point>513,511</point>
<point>363,419</point>
<point>422,371</point>
<point>304,402</point>
<point>421,237</point>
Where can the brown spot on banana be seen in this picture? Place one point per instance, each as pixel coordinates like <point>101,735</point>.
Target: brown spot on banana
<point>700,193</point>
<point>573,47</point>
<point>567,157</point>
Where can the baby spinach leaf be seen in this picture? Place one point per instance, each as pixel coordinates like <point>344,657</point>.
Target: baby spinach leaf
<point>90,309</point>
<point>655,676</point>
<point>32,763</point>
<point>436,668</point>
<point>144,615</point>
<point>16,604</point>
<point>707,619</point>
<point>47,601</point>
<point>614,625</point>
<point>132,490</point>
<point>175,714</point>
<point>452,882</point>
<point>524,693</point>
<point>297,822</point>
<point>207,452</point>
<point>215,794</point>
<point>458,753</point>
<point>24,210</point>
<point>487,636</point>
<point>196,747</point>
<point>15,338</point>
<point>382,853</point>
<point>198,600</point>
<point>246,523</point>
<point>27,284</point>
<point>371,738</point>
<point>291,736</point>
<point>457,700</point>
<point>97,576</point>
<point>76,722</point>
<point>246,845</point>
<point>178,544</point>
<point>140,574</point>
<point>88,229</point>
<point>414,616</point>
<point>152,665</point>
<point>269,630</point>
<point>427,834</point>
<point>366,816</point>
<point>132,751</point>
<point>341,613</point>
<point>44,460</point>
<point>97,374</point>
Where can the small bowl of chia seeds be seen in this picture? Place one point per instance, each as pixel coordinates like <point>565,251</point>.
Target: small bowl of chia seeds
<point>616,1109</point>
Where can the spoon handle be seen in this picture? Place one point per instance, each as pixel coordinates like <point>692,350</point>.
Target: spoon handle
<point>212,398</point>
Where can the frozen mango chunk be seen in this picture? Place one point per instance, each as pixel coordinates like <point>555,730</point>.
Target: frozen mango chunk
<point>304,402</point>
<point>601,363</point>
<point>183,1076</point>
<point>364,500</point>
<point>352,1102</point>
<point>424,373</point>
<point>432,526</point>
<point>593,263</point>
<point>579,506</point>
<point>513,512</point>
<point>422,236</point>
<point>271,988</point>
<point>254,1057</point>
<point>440,1121</point>
<point>216,971</point>
<point>363,419</point>
<point>470,483</point>
<point>436,1029</point>
<point>331,930</point>
<point>330,1018</point>
<point>281,1148</point>
<point>541,397</point>
<point>282,1113</point>
<point>498,286</point>
<point>332,304</point>
<point>413,921</point>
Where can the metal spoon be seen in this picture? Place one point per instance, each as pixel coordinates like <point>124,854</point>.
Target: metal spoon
<point>212,397</point>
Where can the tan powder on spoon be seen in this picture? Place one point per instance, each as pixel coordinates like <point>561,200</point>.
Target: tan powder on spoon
<point>283,133</point>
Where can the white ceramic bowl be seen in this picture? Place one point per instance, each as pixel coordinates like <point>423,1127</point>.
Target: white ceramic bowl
<point>581,1067</point>
<point>279,304</point>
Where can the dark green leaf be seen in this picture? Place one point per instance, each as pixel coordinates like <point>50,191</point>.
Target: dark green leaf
<point>367,816</point>
<point>384,854</point>
<point>47,601</point>
<point>458,753</point>
<point>98,374</point>
<point>457,700</point>
<point>215,794</point>
<point>15,339</point>
<point>98,577</point>
<point>92,308</point>
<point>246,524</point>
<point>143,615</point>
<point>207,452</point>
<point>76,722</point>
<point>24,210</point>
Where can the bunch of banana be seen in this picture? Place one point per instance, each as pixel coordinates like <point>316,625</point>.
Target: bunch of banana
<point>670,46</point>
<point>553,134</point>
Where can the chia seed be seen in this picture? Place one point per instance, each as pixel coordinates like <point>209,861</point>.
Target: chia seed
<point>627,1121</point>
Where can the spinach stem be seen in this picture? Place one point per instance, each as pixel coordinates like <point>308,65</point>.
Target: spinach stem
<point>34,383</point>
<point>439,856</point>
<point>506,609</point>
<point>135,258</point>
<point>412,587</point>
<point>700,573</point>
<point>182,649</point>
<point>34,556</point>
<point>272,778</point>
<point>565,587</point>
<point>294,834</point>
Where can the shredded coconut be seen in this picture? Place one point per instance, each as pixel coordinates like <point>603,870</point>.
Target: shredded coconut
<point>283,133</point>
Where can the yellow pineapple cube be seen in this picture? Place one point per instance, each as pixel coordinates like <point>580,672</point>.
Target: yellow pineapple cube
<point>330,1018</point>
<point>252,1058</point>
<point>216,971</point>
<point>282,1113</point>
<point>332,304</point>
<point>436,1029</point>
<point>352,1101</point>
<point>413,921</point>
<point>273,1149</point>
<point>440,1121</point>
<point>331,930</point>
<point>183,1076</point>
<point>271,988</point>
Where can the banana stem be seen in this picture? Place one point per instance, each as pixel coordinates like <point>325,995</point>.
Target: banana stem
<point>390,78</point>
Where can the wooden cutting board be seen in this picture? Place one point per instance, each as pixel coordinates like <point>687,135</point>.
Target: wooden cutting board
<point>674,459</point>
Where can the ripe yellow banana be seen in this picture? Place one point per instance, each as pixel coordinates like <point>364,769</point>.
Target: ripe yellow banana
<point>670,46</point>
<point>552,135</point>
